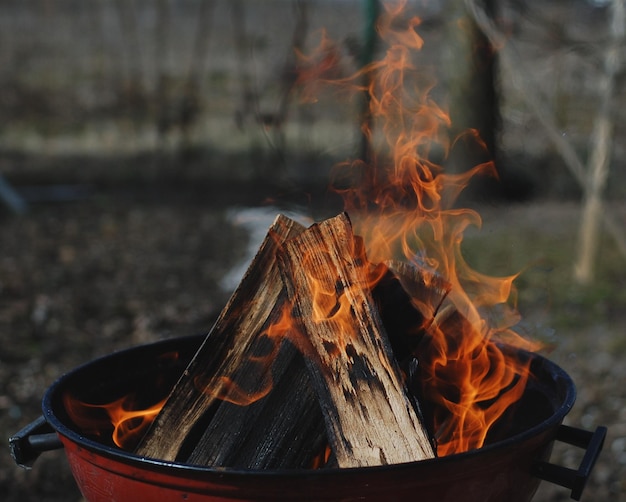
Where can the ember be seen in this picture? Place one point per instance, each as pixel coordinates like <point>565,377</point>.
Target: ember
<point>449,381</point>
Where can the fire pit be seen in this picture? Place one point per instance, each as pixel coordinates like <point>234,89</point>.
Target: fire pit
<point>424,388</point>
<point>509,467</point>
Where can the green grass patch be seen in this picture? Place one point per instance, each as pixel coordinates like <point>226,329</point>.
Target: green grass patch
<point>545,263</point>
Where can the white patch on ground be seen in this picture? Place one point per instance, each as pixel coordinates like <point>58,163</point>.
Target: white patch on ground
<point>256,221</point>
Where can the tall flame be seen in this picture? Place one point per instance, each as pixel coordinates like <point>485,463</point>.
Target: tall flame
<point>402,204</point>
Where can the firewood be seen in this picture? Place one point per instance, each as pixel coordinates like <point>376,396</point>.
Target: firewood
<point>283,430</point>
<point>369,418</point>
<point>408,298</point>
<point>197,402</point>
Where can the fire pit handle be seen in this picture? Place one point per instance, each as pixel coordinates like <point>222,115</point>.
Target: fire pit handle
<point>592,442</point>
<point>27,444</point>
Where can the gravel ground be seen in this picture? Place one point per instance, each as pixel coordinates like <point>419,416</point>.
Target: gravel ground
<point>82,279</point>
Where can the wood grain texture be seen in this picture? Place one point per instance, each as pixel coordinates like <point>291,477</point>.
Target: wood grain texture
<point>369,419</point>
<point>283,430</point>
<point>228,346</point>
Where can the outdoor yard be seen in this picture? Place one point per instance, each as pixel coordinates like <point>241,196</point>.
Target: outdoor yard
<point>153,155</point>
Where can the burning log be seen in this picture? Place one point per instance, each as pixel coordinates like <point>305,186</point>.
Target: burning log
<point>408,298</point>
<point>203,418</point>
<point>284,429</point>
<point>369,418</point>
<point>248,399</point>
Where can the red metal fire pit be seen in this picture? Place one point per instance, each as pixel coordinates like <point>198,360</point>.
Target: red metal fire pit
<point>509,468</point>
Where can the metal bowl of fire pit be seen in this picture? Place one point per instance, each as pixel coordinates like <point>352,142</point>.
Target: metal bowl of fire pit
<point>509,467</point>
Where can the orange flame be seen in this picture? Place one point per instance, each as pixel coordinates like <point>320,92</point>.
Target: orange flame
<point>127,419</point>
<point>255,384</point>
<point>402,204</point>
<point>122,420</point>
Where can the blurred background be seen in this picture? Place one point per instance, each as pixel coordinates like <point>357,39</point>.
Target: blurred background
<point>146,145</point>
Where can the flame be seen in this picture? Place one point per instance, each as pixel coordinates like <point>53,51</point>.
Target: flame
<point>123,419</point>
<point>257,382</point>
<point>331,303</point>
<point>403,205</point>
<point>322,458</point>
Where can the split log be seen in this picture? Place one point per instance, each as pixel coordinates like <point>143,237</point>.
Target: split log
<point>197,419</point>
<point>408,299</point>
<point>283,430</point>
<point>369,418</point>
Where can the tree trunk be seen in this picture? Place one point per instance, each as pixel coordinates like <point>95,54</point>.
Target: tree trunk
<point>601,146</point>
<point>470,67</point>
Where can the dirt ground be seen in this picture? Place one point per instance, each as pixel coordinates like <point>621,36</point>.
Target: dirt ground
<point>81,279</point>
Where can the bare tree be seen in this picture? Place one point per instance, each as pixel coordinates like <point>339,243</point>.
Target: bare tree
<point>601,145</point>
<point>513,67</point>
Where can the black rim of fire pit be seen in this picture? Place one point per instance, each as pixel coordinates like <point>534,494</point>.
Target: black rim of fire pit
<point>52,400</point>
